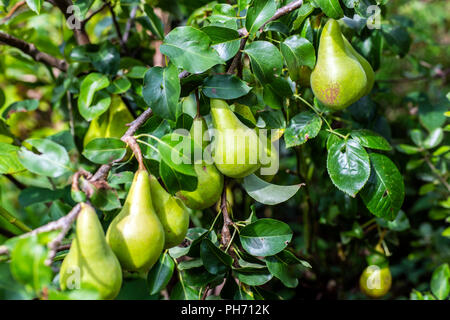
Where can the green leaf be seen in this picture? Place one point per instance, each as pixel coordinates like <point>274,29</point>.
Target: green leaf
<point>190,49</point>
<point>304,126</point>
<point>279,267</point>
<point>407,149</point>
<point>160,274</point>
<point>105,58</point>
<point>370,139</point>
<point>348,166</point>
<point>268,193</point>
<point>20,106</point>
<point>35,5</point>
<point>225,86</point>
<point>53,160</point>
<point>105,150</point>
<point>162,90</point>
<point>440,282</point>
<point>178,152</point>
<point>397,38</point>
<point>27,264</point>
<point>400,223</point>
<point>266,60</point>
<point>176,181</point>
<point>265,237</point>
<point>434,138</point>
<point>214,260</point>
<point>120,85</point>
<point>259,12</point>
<point>182,291</point>
<point>219,34</point>
<point>9,160</point>
<point>153,23</point>
<point>253,276</point>
<point>92,102</point>
<point>297,52</point>
<point>32,195</point>
<point>302,13</point>
<point>331,8</point>
<point>384,193</point>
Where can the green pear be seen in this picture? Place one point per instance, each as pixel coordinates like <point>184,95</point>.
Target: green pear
<point>338,79</point>
<point>111,124</point>
<point>172,213</point>
<point>90,263</point>
<point>365,64</point>
<point>210,180</point>
<point>136,234</point>
<point>269,163</point>
<point>236,146</point>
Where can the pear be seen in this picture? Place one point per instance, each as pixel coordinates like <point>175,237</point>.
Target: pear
<point>172,213</point>
<point>236,145</point>
<point>136,234</point>
<point>271,163</point>
<point>90,263</point>
<point>338,79</point>
<point>111,124</point>
<point>210,180</point>
<point>364,63</point>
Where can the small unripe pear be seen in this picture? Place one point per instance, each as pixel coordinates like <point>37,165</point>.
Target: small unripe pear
<point>236,146</point>
<point>172,213</point>
<point>136,234</point>
<point>90,263</point>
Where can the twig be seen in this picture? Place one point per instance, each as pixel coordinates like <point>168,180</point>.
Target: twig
<point>31,50</point>
<point>134,146</point>
<point>64,224</point>
<point>205,294</point>
<point>13,10</point>
<point>79,33</point>
<point>13,220</point>
<point>70,109</point>
<point>130,21</point>
<point>117,27</point>
<point>17,183</point>
<point>103,171</point>
<point>226,235</point>
<point>436,172</point>
<point>94,13</point>
<point>283,11</point>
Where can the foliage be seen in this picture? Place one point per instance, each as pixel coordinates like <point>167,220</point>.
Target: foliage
<point>373,174</point>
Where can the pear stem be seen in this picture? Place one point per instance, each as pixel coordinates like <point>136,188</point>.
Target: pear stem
<point>134,146</point>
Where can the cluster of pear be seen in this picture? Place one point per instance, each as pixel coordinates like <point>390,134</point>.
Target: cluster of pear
<point>341,75</point>
<point>151,220</point>
<point>376,279</point>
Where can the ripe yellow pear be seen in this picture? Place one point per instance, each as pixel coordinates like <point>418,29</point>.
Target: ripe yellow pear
<point>90,263</point>
<point>111,124</point>
<point>136,235</point>
<point>375,282</point>
<point>172,213</point>
<point>210,180</point>
<point>236,146</point>
<point>338,79</point>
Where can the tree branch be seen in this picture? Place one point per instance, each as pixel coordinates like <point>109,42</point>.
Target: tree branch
<point>117,27</point>
<point>243,33</point>
<point>31,50</point>
<point>86,20</point>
